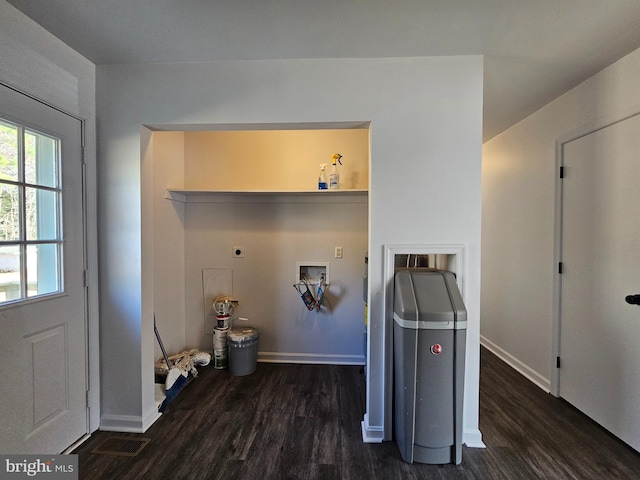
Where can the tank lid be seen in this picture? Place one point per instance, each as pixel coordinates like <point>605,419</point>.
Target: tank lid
<point>430,296</point>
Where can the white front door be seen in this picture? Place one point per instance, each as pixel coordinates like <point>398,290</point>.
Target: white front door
<point>599,331</point>
<point>43,357</point>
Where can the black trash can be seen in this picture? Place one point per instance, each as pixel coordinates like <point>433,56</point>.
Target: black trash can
<point>429,329</point>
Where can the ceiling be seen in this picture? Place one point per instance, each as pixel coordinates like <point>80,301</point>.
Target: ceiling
<point>535,50</point>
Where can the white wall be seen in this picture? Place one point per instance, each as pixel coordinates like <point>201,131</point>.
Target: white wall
<point>518,203</point>
<point>37,63</point>
<point>426,128</point>
<point>274,159</point>
<point>276,233</point>
<point>167,264</point>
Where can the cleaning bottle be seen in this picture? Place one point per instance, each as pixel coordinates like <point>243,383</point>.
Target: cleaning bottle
<point>322,179</point>
<point>334,177</point>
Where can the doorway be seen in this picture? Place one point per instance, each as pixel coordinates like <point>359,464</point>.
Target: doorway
<point>598,360</point>
<point>43,347</point>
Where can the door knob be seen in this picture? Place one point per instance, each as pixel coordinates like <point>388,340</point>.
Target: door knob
<point>633,299</point>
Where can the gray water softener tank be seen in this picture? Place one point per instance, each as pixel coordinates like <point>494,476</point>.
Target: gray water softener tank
<point>429,338</point>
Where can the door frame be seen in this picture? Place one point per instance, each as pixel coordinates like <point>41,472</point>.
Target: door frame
<point>90,254</point>
<point>556,319</point>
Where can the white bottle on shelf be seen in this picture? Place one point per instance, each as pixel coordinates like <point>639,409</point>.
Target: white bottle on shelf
<point>322,179</point>
<point>334,176</point>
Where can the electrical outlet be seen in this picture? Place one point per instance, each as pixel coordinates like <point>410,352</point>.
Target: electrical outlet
<point>238,252</point>
<point>338,252</point>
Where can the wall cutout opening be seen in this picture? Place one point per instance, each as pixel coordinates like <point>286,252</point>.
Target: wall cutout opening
<point>438,261</point>
<point>312,272</point>
<point>257,186</point>
<point>415,256</point>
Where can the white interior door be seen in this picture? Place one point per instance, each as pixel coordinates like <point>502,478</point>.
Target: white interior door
<point>43,358</point>
<point>600,332</point>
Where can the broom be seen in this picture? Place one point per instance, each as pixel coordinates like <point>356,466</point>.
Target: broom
<point>176,379</point>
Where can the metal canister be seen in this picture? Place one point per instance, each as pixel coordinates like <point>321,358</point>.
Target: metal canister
<point>220,354</point>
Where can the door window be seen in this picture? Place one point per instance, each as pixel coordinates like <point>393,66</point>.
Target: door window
<point>30,205</point>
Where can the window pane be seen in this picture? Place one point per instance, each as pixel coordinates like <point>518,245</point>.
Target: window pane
<point>8,151</point>
<point>30,202</point>
<point>9,273</point>
<point>40,159</point>
<point>42,269</point>
<point>9,212</point>
<point>42,214</point>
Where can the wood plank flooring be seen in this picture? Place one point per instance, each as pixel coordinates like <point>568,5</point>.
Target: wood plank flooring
<point>302,422</point>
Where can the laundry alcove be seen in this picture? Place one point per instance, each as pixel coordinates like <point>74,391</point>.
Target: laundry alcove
<point>215,190</point>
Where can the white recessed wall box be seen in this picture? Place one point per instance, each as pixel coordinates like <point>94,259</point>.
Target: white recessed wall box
<point>312,271</point>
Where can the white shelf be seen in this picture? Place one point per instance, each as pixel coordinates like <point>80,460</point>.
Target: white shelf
<point>274,196</point>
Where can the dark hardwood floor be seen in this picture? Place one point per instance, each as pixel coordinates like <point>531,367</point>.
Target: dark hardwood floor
<point>303,422</point>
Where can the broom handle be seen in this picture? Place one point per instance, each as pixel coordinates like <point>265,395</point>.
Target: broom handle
<point>164,352</point>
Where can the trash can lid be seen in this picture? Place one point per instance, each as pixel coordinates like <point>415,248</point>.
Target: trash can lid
<point>242,334</point>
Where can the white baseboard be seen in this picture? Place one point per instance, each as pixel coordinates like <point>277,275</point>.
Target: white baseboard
<point>371,433</point>
<point>150,418</point>
<point>310,358</point>
<point>473,438</point>
<point>129,423</point>
<point>121,423</point>
<point>529,373</point>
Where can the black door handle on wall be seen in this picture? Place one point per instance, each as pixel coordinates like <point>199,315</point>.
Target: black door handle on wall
<point>633,299</point>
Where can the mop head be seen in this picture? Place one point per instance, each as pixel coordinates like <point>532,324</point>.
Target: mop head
<point>178,374</point>
<point>175,382</point>
<point>188,361</point>
<point>176,377</point>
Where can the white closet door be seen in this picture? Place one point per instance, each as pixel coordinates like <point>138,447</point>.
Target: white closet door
<point>600,331</point>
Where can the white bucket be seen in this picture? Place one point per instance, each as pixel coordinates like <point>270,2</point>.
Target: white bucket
<point>220,356</point>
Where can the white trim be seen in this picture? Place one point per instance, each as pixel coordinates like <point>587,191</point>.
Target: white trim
<point>310,358</point>
<point>76,444</point>
<point>51,81</point>
<point>554,384</point>
<point>129,423</point>
<point>517,365</point>
<point>150,418</point>
<point>371,433</point>
<point>596,125</point>
<point>456,267</point>
<point>267,196</point>
<point>327,272</point>
<point>473,438</point>
<point>121,423</point>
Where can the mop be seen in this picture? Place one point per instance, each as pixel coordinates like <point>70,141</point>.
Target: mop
<point>176,378</point>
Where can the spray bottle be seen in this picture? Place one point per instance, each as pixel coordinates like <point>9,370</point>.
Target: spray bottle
<point>334,177</point>
<point>322,179</point>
